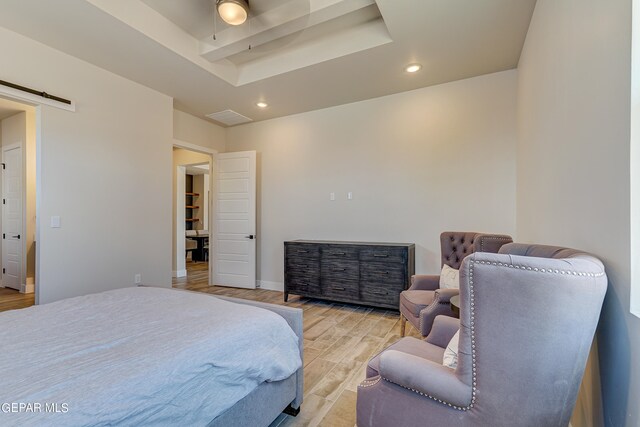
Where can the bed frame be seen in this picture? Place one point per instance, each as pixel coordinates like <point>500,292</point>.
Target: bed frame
<point>263,405</point>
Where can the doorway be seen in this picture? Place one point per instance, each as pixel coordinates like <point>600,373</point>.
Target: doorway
<point>18,217</point>
<point>192,216</point>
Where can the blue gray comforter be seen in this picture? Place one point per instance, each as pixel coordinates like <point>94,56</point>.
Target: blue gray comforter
<point>137,356</point>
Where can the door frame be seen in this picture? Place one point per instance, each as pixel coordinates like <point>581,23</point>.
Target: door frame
<point>37,102</point>
<point>212,154</point>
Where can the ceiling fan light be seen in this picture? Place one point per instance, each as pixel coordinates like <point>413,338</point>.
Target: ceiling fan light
<point>233,12</point>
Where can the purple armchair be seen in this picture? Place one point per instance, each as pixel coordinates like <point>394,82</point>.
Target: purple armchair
<point>423,301</point>
<point>527,320</point>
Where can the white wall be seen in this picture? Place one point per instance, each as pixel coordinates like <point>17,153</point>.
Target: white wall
<point>101,169</point>
<point>418,163</point>
<point>198,131</point>
<point>573,165</point>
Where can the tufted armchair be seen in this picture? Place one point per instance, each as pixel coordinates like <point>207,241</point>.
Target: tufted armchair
<point>527,320</point>
<point>423,301</point>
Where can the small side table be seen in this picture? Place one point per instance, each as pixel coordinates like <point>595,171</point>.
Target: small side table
<point>455,304</point>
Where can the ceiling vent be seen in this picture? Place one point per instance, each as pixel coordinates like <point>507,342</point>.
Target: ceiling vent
<point>229,118</point>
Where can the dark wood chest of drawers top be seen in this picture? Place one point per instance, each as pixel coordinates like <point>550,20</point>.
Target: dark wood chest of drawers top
<point>355,272</point>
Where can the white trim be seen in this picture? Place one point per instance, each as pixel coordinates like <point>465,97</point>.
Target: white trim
<point>32,99</point>
<point>194,147</point>
<point>271,286</point>
<point>180,273</point>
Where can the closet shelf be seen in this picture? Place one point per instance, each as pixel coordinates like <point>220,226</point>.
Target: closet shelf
<point>192,194</point>
<point>192,207</point>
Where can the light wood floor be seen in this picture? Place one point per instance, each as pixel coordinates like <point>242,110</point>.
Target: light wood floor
<point>339,339</point>
<point>11,299</point>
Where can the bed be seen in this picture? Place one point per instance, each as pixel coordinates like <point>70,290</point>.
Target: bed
<point>150,356</point>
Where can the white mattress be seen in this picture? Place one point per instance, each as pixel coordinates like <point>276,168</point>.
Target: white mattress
<point>137,356</point>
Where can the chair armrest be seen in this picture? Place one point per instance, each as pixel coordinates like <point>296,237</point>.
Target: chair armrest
<point>444,328</point>
<point>424,282</point>
<point>431,378</point>
<point>444,295</point>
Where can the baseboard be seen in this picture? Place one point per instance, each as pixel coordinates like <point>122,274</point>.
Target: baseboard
<point>271,286</point>
<point>30,287</point>
<point>180,273</point>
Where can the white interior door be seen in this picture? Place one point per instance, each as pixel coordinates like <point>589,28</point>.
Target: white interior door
<point>234,237</point>
<point>12,217</point>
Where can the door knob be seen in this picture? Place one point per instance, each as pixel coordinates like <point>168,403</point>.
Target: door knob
<point>250,236</point>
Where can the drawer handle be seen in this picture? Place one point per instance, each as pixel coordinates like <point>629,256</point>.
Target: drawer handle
<point>337,288</point>
<point>381,255</point>
<point>379,293</point>
<point>303,252</point>
<point>339,269</point>
<point>339,253</point>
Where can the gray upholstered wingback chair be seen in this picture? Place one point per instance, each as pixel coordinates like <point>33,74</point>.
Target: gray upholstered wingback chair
<point>527,320</point>
<point>423,301</point>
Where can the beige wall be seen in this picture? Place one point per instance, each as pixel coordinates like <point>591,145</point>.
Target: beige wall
<point>30,192</point>
<point>198,131</point>
<point>573,172</point>
<point>119,142</point>
<point>418,163</point>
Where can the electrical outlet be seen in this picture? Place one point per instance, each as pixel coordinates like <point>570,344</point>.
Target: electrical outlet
<point>137,279</point>
<point>349,195</point>
<point>332,196</point>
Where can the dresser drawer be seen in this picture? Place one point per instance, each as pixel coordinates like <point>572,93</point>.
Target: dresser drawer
<point>334,288</point>
<point>388,273</point>
<point>383,254</point>
<point>340,270</point>
<point>303,284</point>
<point>338,252</point>
<point>306,250</point>
<point>300,265</point>
<point>380,294</point>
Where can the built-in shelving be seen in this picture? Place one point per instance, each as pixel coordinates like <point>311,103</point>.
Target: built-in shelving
<point>191,207</point>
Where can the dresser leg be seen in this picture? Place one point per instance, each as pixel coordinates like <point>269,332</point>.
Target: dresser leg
<point>403,324</point>
<point>286,296</point>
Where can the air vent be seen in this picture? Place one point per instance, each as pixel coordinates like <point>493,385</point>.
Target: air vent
<point>229,118</point>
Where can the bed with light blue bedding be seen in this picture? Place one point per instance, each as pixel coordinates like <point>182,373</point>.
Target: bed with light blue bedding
<point>144,356</point>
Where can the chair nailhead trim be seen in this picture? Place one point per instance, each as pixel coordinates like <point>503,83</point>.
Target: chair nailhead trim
<point>369,383</point>
<point>541,270</point>
<point>483,238</point>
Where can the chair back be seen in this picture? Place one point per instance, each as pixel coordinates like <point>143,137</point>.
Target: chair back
<point>527,319</point>
<point>456,245</point>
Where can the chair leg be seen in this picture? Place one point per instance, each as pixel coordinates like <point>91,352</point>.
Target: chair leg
<point>403,324</point>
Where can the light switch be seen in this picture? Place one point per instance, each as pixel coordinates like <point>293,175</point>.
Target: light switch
<point>349,195</point>
<point>332,196</point>
<point>55,222</point>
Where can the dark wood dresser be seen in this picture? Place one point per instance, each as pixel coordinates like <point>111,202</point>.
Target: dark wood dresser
<point>355,272</point>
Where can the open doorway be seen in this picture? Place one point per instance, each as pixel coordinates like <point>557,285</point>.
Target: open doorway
<point>18,218</point>
<point>192,217</point>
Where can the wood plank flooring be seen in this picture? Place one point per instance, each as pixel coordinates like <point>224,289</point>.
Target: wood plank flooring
<point>339,339</point>
<point>11,299</point>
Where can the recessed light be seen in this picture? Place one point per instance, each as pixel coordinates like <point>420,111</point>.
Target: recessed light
<point>262,104</point>
<point>413,68</point>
